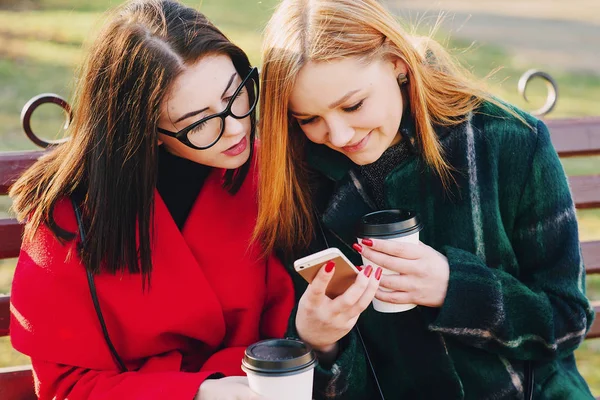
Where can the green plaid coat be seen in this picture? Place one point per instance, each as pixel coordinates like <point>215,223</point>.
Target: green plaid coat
<point>517,281</point>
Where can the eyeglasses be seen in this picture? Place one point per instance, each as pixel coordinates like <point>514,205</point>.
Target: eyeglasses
<point>207,131</point>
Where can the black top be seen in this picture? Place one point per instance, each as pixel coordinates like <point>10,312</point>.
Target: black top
<point>375,173</point>
<point>179,183</point>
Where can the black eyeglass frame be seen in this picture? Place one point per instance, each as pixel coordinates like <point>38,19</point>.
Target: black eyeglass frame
<point>183,133</point>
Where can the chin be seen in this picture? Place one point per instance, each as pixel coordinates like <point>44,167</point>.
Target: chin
<point>228,162</point>
<point>365,157</point>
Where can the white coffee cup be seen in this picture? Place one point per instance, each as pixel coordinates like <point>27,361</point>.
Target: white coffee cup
<point>393,225</point>
<point>280,369</point>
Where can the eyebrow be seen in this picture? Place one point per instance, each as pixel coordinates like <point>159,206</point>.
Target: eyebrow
<point>343,99</point>
<point>192,113</point>
<point>334,104</point>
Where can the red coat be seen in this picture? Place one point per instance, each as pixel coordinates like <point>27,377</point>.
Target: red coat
<point>211,296</point>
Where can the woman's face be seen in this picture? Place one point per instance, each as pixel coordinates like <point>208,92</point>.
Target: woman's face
<point>203,89</point>
<point>349,106</point>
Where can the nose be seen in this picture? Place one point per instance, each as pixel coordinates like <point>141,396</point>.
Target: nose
<point>233,127</point>
<point>340,133</point>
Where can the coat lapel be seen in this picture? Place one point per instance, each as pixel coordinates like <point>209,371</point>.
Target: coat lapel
<point>348,203</point>
<point>180,247</point>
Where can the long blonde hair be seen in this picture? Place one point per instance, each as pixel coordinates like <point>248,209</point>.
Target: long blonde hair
<point>440,92</point>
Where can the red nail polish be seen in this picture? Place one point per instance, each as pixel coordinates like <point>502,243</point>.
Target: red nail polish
<point>378,273</point>
<point>368,271</point>
<point>357,247</point>
<point>329,266</point>
<point>367,242</point>
<point>359,268</point>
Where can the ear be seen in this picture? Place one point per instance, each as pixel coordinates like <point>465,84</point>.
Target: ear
<point>160,142</point>
<point>399,66</point>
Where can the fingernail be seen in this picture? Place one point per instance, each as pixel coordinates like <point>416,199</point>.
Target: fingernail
<point>359,268</point>
<point>357,247</point>
<point>367,242</point>
<point>368,271</point>
<point>329,266</point>
<point>378,273</point>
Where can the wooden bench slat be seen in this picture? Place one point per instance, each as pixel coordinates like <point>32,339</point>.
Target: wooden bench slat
<point>16,383</point>
<point>591,256</point>
<point>12,164</point>
<point>4,315</point>
<point>575,136</point>
<point>11,232</point>
<point>585,190</point>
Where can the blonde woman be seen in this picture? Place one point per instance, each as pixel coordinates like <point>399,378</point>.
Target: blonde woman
<point>356,116</point>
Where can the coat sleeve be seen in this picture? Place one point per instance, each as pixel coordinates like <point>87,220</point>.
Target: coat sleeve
<point>57,381</point>
<point>542,313</point>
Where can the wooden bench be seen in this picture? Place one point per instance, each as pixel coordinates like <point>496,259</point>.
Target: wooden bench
<point>16,383</point>
<point>571,138</point>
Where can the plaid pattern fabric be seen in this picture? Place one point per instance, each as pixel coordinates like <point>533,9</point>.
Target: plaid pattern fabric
<point>516,292</point>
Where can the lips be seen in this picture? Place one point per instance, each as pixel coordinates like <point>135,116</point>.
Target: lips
<point>358,146</point>
<point>238,148</point>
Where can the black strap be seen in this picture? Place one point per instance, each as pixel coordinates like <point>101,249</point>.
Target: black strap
<point>92,286</point>
<point>360,338</point>
<point>529,380</point>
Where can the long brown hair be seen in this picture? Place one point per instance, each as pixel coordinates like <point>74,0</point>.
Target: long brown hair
<point>440,92</point>
<point>110,162</point>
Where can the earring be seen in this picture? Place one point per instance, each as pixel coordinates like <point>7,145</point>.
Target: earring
<point>402,79</point>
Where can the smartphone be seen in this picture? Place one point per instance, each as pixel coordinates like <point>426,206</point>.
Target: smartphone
<point>344,273</point>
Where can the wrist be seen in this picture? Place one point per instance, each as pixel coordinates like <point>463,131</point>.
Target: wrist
<point>318,348</point>
<point>327,354</point>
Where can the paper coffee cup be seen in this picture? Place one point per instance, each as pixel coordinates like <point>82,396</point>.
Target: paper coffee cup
<point>280,369</point>
<point>394,225</point>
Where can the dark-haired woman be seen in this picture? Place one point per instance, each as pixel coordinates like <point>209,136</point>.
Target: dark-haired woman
<point>137,277</point>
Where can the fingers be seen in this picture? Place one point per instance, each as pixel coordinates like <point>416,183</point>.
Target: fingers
<point>243,391</point>
<point>236,379</point>
<point>256,396</point>
<point>248,394</point>
<point>369,293</point>
<point>405,250</point>
<point>395,297</point>
<point>316,290</point>
<point>231,387</point>
<point>392,263</point>
<point>356,298</point>
<point>400,283</point>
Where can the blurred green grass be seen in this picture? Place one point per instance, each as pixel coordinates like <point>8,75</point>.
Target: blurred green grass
<point>41,48</point>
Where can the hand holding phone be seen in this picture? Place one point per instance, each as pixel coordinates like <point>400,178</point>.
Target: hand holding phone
<point>344,274</point>
<point>333,301</point>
